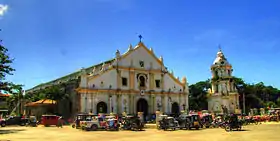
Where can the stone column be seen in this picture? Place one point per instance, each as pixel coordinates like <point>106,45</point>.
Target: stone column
<point>86,102</point>
<point>133,104</point>
<point>119,81</point>
<point>163,107</point>
<point>180,103</point>
<point>130,103</point>
<point>152,81</point>
<point>131,79</point>
<point>167,101</point>
<point>94,108</point>
<point>82,103</point>
<point>186,99</point>
<point>153,104</point>
<point>110,97</point>
<point>118,104</point>
<point>92,102</point>
<point>162,82</point>
<point>150,104</point>
<point>122,105</point>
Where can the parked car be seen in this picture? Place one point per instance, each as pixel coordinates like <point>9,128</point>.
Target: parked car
<point>168,123</point>
<point>233,123</point>
<point>132,123</point>
<point>94,124</point>
<point>81,117</point>
<point>207,120</point>
<point>48,120</point>
<point>112,124</point>
<point>184,121</point>
<point>13,120</point>
<point>195,121</point>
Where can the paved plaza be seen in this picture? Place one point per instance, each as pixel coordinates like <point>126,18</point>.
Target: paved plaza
<point>268,132</point>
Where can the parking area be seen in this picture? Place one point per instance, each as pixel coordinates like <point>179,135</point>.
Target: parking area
<point>269,132</point>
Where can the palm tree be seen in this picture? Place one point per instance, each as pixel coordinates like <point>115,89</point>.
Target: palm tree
<point>15,98</point>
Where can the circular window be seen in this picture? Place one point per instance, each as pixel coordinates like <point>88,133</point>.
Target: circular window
<point>222,62</point>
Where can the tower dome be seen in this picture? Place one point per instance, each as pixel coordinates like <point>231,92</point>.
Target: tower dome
<point>220,59</point>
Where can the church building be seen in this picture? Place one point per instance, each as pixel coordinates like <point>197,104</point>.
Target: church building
<point>136,81</point>
<point>223,97</point>
<point>132,82</point>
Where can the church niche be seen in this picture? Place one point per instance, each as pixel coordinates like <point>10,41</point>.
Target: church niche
<point>142,79</point>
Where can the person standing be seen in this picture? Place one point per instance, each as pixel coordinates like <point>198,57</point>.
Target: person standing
<point>60,122</point>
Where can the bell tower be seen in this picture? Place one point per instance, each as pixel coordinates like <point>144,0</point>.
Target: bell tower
<point>223,96</point>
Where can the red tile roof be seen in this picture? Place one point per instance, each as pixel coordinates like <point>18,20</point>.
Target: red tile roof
<point>41,102</point>
<point>4,95</point>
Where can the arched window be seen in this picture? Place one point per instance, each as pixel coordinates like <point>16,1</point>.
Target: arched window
<point>142,81</point>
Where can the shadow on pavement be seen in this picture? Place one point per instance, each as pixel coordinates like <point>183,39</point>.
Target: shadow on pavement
<point>9,131</point>
<point>243,130</point>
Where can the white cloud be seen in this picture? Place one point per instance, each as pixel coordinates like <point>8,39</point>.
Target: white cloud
<point>3,9</point>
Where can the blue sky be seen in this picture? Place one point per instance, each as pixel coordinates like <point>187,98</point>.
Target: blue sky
<point>52,38</point>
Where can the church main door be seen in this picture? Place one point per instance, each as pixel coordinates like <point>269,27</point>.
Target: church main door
<point>101,107</point>
<point>142,106</point>
<point>175,108</point>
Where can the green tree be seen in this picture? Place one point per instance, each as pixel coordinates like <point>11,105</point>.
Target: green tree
<point>278,102</point>
<point>15,97</point>
<point>6,86</point>
<point>5,69</point>
<point>198,95</point>
<point>256,95</point>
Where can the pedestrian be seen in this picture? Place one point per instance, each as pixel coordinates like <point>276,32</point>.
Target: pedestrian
<point>60,122</point>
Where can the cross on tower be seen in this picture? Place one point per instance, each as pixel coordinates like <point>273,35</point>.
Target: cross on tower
<point>220,48</point>
<point>140,37</point>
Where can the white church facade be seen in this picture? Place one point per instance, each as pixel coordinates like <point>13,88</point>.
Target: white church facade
<point>136,81</point>
<point>223,97</point>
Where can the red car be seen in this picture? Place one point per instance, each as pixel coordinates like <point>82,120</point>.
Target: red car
<point>48,120</point>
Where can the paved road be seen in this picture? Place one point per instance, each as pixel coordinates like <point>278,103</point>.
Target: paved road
<point>264,132</point>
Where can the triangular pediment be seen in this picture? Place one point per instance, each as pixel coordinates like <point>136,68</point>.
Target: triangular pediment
<point>140,57</point>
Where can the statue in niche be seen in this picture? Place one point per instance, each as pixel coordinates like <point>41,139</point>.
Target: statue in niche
<point>142,81</point>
